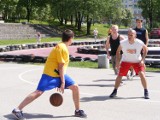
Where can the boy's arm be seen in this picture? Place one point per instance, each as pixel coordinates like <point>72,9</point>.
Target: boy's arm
<point>61,74</point>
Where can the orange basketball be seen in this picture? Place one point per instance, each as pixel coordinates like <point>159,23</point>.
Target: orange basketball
<point>56,99</point>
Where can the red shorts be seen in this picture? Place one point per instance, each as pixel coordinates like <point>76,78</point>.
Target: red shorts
<point>125,66</point>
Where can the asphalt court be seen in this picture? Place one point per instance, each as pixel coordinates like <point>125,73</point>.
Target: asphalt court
<point>18,80</point>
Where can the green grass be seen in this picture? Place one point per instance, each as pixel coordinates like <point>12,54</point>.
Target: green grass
<point>85,64</point>
<point>27,41</point>
<point>33,40</point>
<point>152,69</point>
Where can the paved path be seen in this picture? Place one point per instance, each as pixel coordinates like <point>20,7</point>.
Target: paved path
<point>18,80</point>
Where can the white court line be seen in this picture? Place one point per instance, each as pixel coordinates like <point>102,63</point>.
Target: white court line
<point>6,68</point>
<point>24,80</point>
<point>148,100</point>
<point>89,94</point>
<point>154,90</point>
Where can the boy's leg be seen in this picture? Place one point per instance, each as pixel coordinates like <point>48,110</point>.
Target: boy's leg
<point>141,72</point>
<point>75,95</point>
<point>144,84</point>
<point>69,83</point>
<point>31,97</point>
<point>124,67</point>
<point>117,84</point>
<point>42,86</point>
<point>17,112</point>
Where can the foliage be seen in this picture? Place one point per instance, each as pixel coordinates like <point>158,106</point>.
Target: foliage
<point>85,64</point>
<point>27,41</point>
<point>150,11</point>
<point>73,12</point>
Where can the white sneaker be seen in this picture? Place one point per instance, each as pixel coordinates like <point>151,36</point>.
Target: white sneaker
<point>129,75</point>
<point>18,114</point>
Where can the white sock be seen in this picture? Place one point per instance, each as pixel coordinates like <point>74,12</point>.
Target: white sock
<point>77,110</point>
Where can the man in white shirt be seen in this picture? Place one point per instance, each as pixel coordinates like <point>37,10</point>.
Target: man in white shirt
<point>131,57</point>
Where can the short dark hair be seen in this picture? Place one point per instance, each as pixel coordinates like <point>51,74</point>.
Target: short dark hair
<point>139,19</point>
<point>66,35</point>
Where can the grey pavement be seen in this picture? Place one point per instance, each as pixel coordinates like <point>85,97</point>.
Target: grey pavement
<point>18,80</point>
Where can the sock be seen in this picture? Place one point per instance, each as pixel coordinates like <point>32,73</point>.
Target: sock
<point>115,90</point>
<point>145,90</point>
<point>16,109</point>
<point>77,110</point>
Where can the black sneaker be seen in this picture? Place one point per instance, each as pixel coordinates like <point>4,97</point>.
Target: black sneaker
<point>113,94</point>
<point>146,95</point>
<point>80,113</point>
<point>18,114</point>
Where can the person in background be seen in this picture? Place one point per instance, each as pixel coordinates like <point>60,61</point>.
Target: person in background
<point>109,31</point>
<point>112,43</point>
<point>141,34</point>
<point>95,32</point>
<point>131,57</point>
<point>38,37</point>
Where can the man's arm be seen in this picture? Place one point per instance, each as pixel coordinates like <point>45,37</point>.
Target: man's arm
<point>108,46</point>
<point>122,37</point>
<point>118,56</point>
<point>61,74</point>
<point>145,51</point>
<point>147,38</point>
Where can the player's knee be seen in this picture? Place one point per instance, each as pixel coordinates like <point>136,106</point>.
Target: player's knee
<point>39,93</point>
<point>74,87</point>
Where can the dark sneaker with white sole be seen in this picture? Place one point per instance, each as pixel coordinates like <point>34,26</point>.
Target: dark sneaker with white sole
<point>18,114</point>
<point>80,113</point>
<point>113,94</point>
<point>146,95</point>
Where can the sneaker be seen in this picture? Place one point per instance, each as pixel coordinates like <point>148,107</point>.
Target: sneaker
<point>113,94</point>
<point>133,74</point>
<point>18,114</point>
<point>80,113</point>
<point>146,95</point>
<point>129,75</point>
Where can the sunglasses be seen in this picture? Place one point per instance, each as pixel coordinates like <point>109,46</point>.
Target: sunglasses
<point>130,35</point>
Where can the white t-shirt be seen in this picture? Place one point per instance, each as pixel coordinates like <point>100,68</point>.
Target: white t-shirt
<point>131,52</point>
<point>95,32</point>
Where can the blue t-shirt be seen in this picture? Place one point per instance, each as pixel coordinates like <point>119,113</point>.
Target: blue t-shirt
<point>141,34</point>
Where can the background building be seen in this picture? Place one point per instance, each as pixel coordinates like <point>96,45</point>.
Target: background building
<point>133,7</point>
<point>135,10</point>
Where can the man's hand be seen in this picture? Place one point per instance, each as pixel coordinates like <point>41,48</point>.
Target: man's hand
<point>108,56</point>
<point>61,89</point>
<point>118,65</point>
<point>141,63</point>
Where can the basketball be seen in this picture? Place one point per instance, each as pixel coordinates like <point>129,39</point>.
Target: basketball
<point>56,99</point>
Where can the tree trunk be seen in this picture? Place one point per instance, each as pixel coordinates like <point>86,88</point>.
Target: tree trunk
<point>71,19</point>
<point>89,22</point>
<point>79,21</point>
<point>28,14</point>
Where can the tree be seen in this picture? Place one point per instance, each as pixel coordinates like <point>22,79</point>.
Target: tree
<point>7,8</point>
<point>30,5</point>
<point>126,17</point>
<point>150,10</point>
